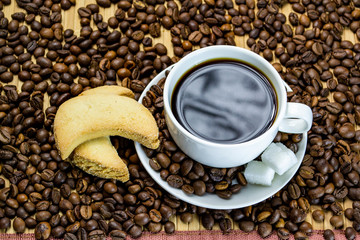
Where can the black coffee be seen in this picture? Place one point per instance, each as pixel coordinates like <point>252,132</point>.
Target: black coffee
<point>224,101</point>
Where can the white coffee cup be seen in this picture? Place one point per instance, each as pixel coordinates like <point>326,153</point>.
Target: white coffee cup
<point>290,117</point>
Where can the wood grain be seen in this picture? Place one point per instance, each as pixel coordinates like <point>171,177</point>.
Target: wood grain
<point>71,20</point>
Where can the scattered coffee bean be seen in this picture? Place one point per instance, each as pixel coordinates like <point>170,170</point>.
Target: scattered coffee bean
<point>329,235</point>
<point>19,225</point>
<point>318,215</point>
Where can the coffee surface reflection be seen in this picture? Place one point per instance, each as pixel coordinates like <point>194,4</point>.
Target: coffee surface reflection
<point>224,101</point>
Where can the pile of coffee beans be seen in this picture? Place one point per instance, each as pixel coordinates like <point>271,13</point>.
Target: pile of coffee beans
<point>40,191</point>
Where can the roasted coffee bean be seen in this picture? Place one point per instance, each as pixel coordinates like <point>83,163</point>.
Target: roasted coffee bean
<point>96,234</point>
<point>354,194</point>
<point>5,136</point>
<point>337,221</point>
<point>199,187</point>
<point>169,227</point>
<point>294,191</point>
<point>155,215</point>
<point>187,189</point>
<point>5,154</point>
<point>12,203</point>
<point>175,181</point>
<point>225,225</point>
<point>336,208</point>
<point>19,225</point>
<point>283,233</point>
<point>263,216</point>
<point>356,215</point>
<point>30,223</point>
<point>117,235</point>
<point>5,223</point>
<point>306,228</point>
<point>297,215</point>
<point>43,216</point>
<point>350,233</point>
<point>110,187</point>
<point>264,229</point>
<point>42,230</point>
<point>186,217</point>
<point>86,212</point>
<point>166,212</point>
<point>142,219</point>
<point>318,215</point>
<point>300,235</point>
<point>135,231</point>
<point>154,227</point>
<point>316,192</point>
<point>329,234</point>
<point>70,236</point>
<point>58,231</point>
<point>246,226</point>
<point>349,213</point>
<point>207,221</point>
<point>226,194</point>
<point>163,160</point>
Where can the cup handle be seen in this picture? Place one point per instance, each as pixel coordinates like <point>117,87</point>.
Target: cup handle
<point>298,118</point>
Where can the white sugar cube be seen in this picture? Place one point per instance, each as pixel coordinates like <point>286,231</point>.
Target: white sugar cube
<point>279,157</point>
<point>291,153</point>
<point>257,172</point>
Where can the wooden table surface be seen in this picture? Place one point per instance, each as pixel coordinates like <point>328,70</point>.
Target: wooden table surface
<point>71,20</point>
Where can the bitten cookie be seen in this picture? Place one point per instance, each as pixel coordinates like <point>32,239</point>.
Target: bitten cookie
<point>98,157</point>
<point>87,117</point>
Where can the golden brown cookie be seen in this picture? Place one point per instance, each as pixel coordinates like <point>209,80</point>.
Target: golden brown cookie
<point>87,117</point>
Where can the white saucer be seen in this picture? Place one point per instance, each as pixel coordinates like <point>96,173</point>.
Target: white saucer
<point>249,195</point>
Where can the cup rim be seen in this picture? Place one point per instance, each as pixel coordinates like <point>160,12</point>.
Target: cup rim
<point>281,105</point>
